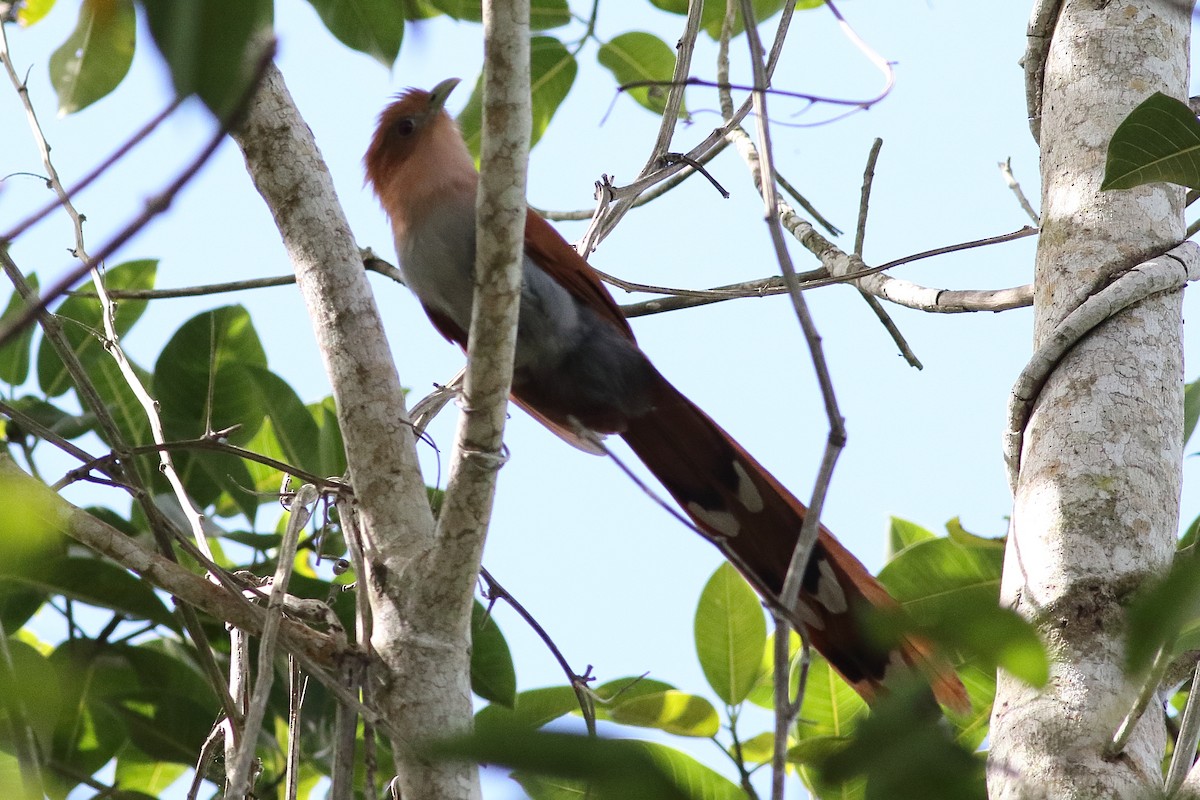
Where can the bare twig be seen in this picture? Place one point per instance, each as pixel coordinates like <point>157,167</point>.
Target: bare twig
<point>153,207</point>
<point>859,237</point>
<point>914,296</point>
<point>579,683</point>
<point>1012,183</point>
<point>240,779</point>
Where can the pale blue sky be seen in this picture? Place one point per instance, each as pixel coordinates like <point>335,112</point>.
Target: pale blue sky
<point>612,577</point>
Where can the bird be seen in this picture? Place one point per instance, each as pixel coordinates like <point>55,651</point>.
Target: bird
<point>579,371</point>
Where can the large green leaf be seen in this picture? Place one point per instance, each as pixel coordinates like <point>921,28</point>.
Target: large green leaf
<point>952,592</point>
<point>938,575</point>
<point>211,46</point>
<point>83,324</point>
<point>34,680</point>
<point>543,14</point>
<point>138,772</point>
<point>552,72</point>
<point>163,724</point>
<point>493,676</point>
<point>98,583</point>
<point>1162,611</point>
<point>612,769</point>
<point>613,693</point>
<point>374,27</point>
<point>902,534</point>
<point>96,56</point>
<point>88,733</point>
<point>713,15</point>
<point>731,632</point>
<point>208,378</point>
<point>1158,141</point>
<point>202,378</point>
<point>906,753</point>
<point>331,450</point>
<point>675,712</point>
<point>1191,408</point>
<point>14,354</point>
<point>636,56</point>
<point>831,708</point>
<point>530,710</point>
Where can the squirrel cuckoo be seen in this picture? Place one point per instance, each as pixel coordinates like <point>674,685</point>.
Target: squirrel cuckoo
<point>579,371</point>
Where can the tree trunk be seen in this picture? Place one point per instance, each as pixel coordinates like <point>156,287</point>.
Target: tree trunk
<point>1096,501</point>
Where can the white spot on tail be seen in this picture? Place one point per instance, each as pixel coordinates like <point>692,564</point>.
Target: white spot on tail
<point>746,490</point>
<point>721,522</point>
<point>809,617</point>
<point>829,591</point>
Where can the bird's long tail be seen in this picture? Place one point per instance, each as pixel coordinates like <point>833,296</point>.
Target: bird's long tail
<point>756,522</point>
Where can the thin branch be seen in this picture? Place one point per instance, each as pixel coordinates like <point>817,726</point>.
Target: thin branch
<point>1185,743</point>
<point>946,301</point>
<point>859,236</point>
<point>1011,181</point>
<point>240,771</point>
<point>370,261</point>
<point>495,591</point>
<point>95,172</point>
<point>153,207</point>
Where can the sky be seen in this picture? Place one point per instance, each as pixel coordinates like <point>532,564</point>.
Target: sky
<point>612,577</point>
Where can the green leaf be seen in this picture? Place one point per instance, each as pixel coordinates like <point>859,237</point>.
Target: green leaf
<point>618,769</point>
<point>31,12</point>
<point>288,433</point>
<point>543,14</point>
<point>758,749</point>
<point>139,773</point>
<point>731,632</point>
<point>1191,407</point>
<point>331,451</point>
<point>675,712</point>
<point>1158,141</point>
<point>902,534</point>
<point>83,324</point>
<point>95,57</point>
<point>98,583</point>
<point>635,56</point>
<point>964,537</point>
<point>530,710</point>
<point>164,725</point>
<point>903,751</point>
<point>88,733</point>
<point>615,692</point>
<point>203,380</point>
<point>763,693</point>
<point>831,708</point>
<point>493,676</point>
<point>952,592</point>
<point>552,72</point>
<point>34,679</point>
<point>713,15</point>
<point>211,46</point>
<point>373,27</point>
<point>15,353</point>
<point>942,574</point>
<point>1159,614</point>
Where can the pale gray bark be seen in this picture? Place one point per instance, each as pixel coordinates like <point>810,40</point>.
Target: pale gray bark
<point>1096,499</point>
<point>420,681</point>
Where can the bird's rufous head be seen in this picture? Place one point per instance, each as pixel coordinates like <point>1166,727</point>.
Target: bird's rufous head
<point>404,125</point>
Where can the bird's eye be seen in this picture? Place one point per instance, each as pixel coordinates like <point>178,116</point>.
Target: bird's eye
<point>405,126</point>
